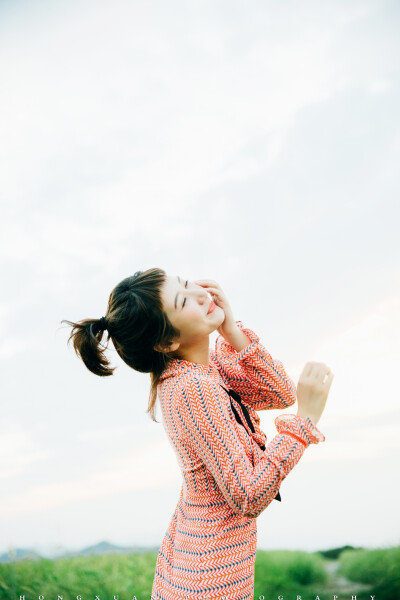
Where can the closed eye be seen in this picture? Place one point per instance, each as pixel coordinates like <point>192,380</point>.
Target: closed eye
<point>186,284</point>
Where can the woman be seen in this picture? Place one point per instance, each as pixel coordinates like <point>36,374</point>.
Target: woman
<point>161,324</point>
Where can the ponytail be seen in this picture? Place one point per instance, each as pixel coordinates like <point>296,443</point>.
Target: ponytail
<point>86,337</point>
<point>136,323</point>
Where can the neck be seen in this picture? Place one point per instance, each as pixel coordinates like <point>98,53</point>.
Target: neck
<point>198,352</point>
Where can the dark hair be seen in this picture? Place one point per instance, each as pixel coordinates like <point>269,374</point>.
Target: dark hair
<point>136,322</point>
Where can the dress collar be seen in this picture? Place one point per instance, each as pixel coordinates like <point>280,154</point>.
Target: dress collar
<point>178,366</point>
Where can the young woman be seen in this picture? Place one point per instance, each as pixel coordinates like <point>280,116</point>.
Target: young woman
<point>161,324</point>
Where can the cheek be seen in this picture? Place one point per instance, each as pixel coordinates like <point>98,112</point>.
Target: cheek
<point>193,317</point>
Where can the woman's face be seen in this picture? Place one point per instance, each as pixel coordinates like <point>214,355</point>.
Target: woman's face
<point>187,305</point>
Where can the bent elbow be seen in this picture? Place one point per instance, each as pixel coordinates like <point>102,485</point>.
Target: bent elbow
<point>291,399</point>
<point>286,400</point>
<point>254,509</point>
<point>254,512</point>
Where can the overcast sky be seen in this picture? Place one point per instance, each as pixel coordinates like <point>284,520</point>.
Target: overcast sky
<point>255,143</point>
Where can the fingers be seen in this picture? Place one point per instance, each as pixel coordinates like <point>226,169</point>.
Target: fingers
<point>215,293</point>
<point>323,373</point>
<point>328,381</point>
<point>207,283</point>
<point>214,290</point>
<point>320,372</point>
<point>307,369</point>
<point>211,286</point>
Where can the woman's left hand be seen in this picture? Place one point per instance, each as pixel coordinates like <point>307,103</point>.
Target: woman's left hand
<point>228,326</point>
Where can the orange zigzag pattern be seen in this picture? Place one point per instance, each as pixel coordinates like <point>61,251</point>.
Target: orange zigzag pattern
<point>208,551</point>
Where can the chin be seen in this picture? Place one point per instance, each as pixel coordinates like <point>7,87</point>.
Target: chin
<point>220,321</point>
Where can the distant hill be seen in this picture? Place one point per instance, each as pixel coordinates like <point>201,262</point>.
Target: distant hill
<point>16,554</point>
<point>334,553</point>
<point>107,548</point>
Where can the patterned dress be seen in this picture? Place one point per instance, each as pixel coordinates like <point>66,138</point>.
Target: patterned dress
<point>209,549</point>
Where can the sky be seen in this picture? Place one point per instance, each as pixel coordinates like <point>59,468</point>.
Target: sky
<point>253,143</point>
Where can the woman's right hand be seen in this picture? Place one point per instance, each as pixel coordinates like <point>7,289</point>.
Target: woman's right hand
<point>313,389</point>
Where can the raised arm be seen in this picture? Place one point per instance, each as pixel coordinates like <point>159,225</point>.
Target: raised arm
<point>205,421</point>
<point>261,381</point>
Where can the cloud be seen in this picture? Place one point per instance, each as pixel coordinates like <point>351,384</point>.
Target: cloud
<point>364,356</point>
<point>373,336</point>
<point>379,86</point>
<point>151,467</point>
<point>251,141</point>
<point>19,450</point>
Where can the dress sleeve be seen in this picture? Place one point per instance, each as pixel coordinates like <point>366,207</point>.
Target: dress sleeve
<point>204,422</point>
<point>261,381</point>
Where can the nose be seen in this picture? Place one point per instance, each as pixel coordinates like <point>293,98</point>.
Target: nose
<point>200,293</point>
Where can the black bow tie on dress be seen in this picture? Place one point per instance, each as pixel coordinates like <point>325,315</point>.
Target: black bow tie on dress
<point>238,399</point>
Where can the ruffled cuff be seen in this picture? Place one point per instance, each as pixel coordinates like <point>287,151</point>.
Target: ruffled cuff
<point>302,428</point>
<point>224,348</point>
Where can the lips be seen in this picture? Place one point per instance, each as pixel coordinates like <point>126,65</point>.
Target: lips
<point>211,307</point>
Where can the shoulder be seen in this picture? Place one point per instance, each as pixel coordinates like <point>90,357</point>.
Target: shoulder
<point>198,381</point>
<point>199,391</point>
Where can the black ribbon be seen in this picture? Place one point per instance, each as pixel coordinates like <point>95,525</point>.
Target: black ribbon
<point>238,399</point>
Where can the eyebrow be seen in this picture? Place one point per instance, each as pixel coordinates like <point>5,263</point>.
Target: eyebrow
<point>176,297</point>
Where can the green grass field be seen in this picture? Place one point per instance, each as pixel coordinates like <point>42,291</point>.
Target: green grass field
<point>380,568</point>
<point>286,573</point>
<point>283,572</point>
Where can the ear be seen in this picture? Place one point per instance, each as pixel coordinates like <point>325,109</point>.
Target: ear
<point>171,348</point>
